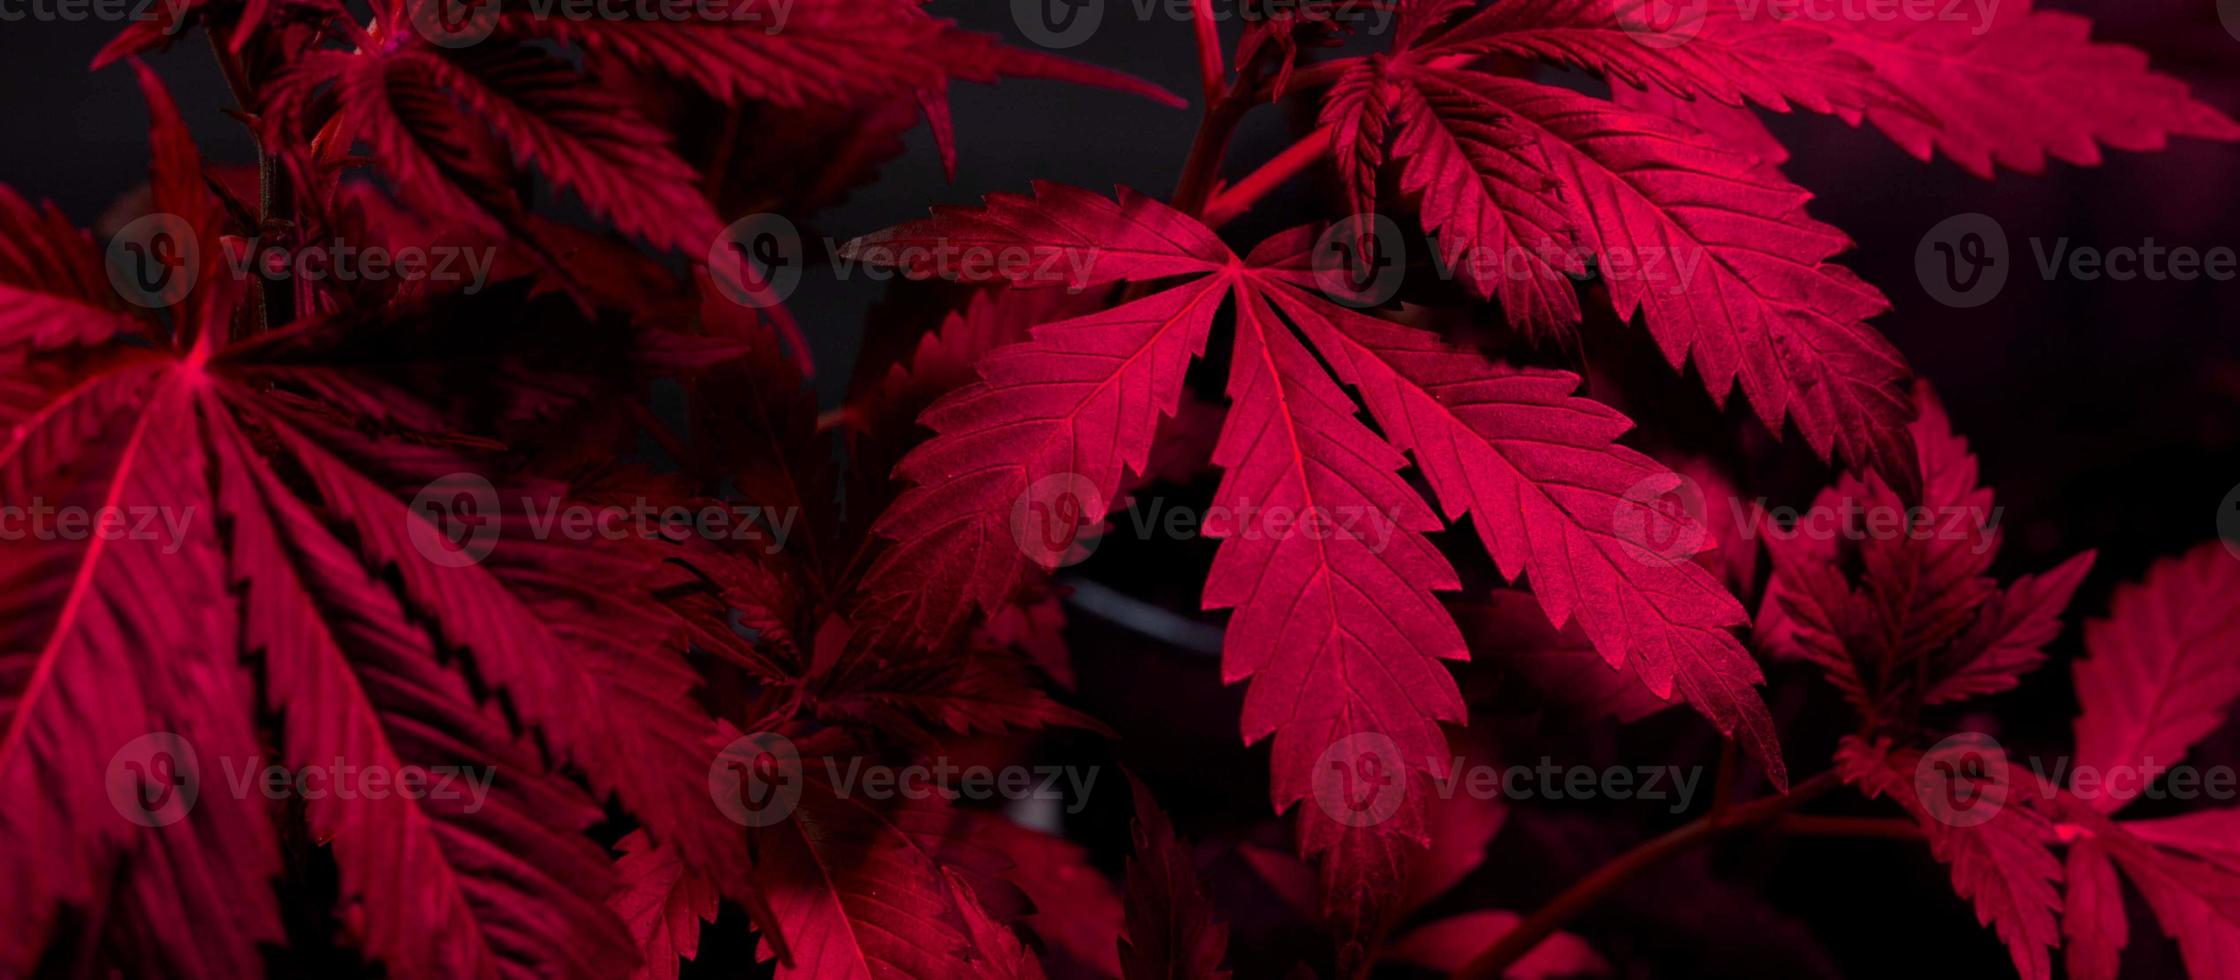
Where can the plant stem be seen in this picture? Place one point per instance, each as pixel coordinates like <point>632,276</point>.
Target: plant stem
<point>1209,49</point>
<point>1582,894</point>
<point>1203,166</point>
<point>1239,197</point>
<point>274,301</point>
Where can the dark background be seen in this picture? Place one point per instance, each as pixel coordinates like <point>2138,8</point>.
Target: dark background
<point>2106,415</point>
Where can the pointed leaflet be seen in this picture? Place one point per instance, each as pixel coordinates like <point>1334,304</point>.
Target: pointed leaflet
<point>1356,109</point>
<point>1483,187</point>
<point>1001,956</point>
<point>2000,92</point>
<point>2162,670</point>
<point>1736,128</point>
<point>1336,625</point>
<point>2008,93</point>
<point>870,891</point>
<point>1726,50</point>
<point>53,289</point>
<point>1170,932</point>
<point>2157,677</point>
<point>662,902</point>
<point>2010,633</point>
<point>1324,561</point>
<point>449,885</point>
<point>803,52</point>
<point>1727,271</point>
<point>1549,491</point>
<point>1055,421</point>
<point>1077,912</point>
<point>2003,864</point>
<point>2181,866</point>
<point>119,660</point>
<point>582,660</point>
<point>437,124</point>
<point>1925,623</point>
<point>580,667</point>
<point>883,413</point>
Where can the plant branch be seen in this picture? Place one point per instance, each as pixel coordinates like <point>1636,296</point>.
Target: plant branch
<point>1209,49</point>
<point>1203,166</point>
<point>274,301</point>
<point>1239,197</point>
<point>1582,894</point>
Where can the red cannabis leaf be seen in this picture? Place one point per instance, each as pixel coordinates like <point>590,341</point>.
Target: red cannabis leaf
<point>1340,633</point>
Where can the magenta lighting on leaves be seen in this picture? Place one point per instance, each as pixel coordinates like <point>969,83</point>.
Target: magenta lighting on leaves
<point>1490,535</point>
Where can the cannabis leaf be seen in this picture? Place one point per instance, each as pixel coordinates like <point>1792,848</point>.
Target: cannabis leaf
<point>1341,637</point>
